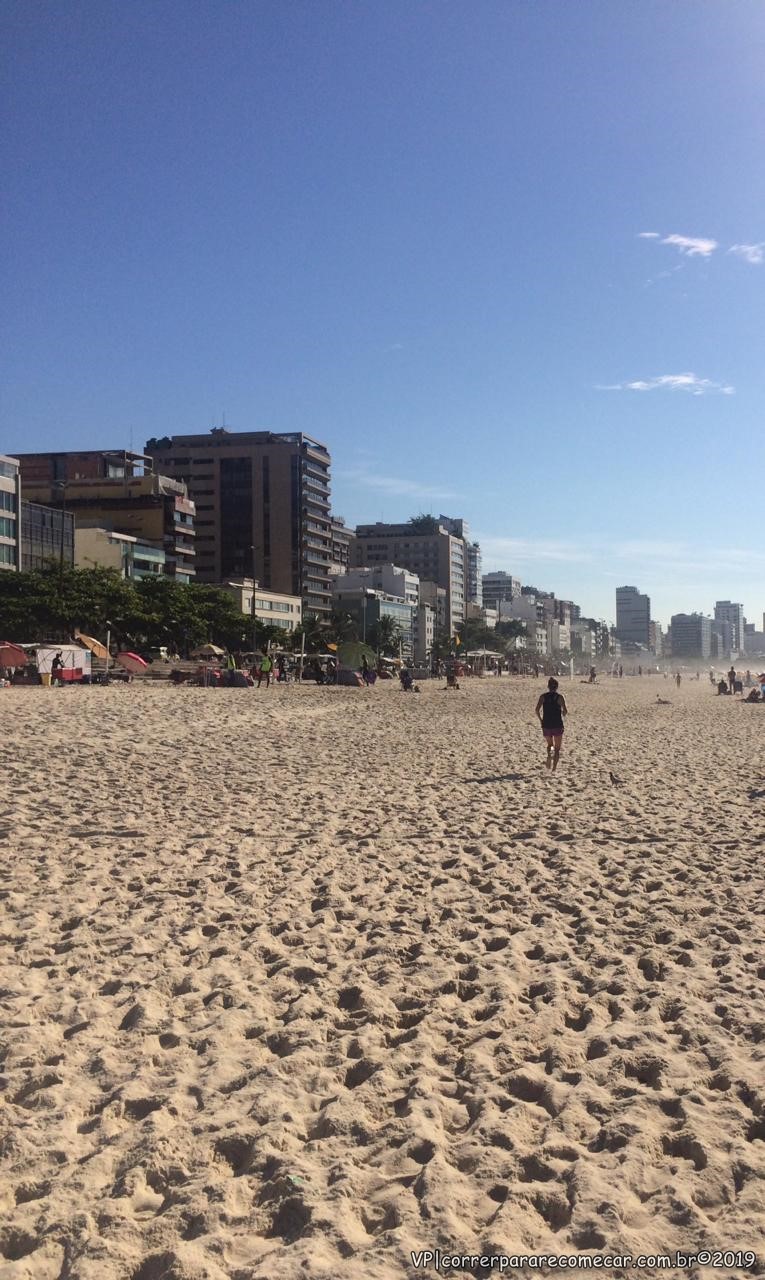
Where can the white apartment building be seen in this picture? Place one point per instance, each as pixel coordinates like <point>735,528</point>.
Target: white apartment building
<point>272,608</point>
<point>10,513</point>
<point>389,578</point>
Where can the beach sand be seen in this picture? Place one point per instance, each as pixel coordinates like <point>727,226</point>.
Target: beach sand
<point>299,981</point>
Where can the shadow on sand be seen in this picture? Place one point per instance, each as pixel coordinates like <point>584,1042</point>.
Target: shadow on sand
<point>500,777</point>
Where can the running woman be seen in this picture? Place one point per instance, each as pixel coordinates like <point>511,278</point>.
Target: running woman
<point>551,708</point>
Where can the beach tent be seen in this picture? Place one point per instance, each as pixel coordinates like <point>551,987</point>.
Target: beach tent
<point>132,663</point>
<point>76,660</point>
<point>351,652</point>
<point>12,655</point>
<point>348,677</point>
<point>208,651</point>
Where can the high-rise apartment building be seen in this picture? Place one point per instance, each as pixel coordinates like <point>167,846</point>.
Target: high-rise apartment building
<point>473,560</point>
<point>263,510</point>
<point>499,587</point>
<point>691,635</point>
<point>727,611</point>
<point>425,547</point>
<point>633,616</point>
<point>341,542</point>
<point>10,513</point>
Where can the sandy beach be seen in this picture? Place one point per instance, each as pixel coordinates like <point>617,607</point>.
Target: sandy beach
<point>297,982</point>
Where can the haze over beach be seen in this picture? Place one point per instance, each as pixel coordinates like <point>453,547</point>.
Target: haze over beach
<point>321,956</point>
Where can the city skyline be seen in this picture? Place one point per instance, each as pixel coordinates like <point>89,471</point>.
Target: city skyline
<point>508,265</point>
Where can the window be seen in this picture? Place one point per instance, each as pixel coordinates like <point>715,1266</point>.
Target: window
<point>7,527</point>
<point>7,554</point>
<point>7,501</point>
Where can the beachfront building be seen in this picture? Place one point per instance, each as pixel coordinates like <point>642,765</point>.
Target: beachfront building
<point>473,580</point>
<point>434,597</point>
<point>427,548</point>
<point>272,608</point>
<point>727,611</point>
<point>691,635</point>
<point>263,509</point>
<point>531,612</point>
<point>499,587</point>
<point>633,616</point>
<point>341,542</point>
<point>117,490</point>
<point>367,606</point>
<point>388,578</point>
<point>583,641</point>
<point>754,641</point>
<point>95,546</point>
<point>10,509</point>
<point>423,634</point>
<point>47,536</point>
<point>655,638</point>
<point>558,637</point>
<point>722,640</point>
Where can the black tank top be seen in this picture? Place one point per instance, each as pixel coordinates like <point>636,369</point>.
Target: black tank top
<point>552,716</point>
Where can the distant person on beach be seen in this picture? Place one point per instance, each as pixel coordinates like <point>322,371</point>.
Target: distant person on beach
<point>264,671</point>
<point>677,679</point>
<point>56,668</point>
<point>551,708</point>
<point>732,679</point>
<point>281,669</point>
<point>593,674</point>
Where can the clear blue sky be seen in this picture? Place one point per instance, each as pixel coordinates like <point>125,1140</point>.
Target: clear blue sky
<point>444,238</point>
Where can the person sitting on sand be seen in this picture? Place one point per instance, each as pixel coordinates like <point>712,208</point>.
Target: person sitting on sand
<point>722,687</point>
<point>752,696</point>
<point>551,708</point>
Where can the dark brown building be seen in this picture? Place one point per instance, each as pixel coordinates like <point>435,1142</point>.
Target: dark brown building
<point>121,492</point>
<point>262,508</point>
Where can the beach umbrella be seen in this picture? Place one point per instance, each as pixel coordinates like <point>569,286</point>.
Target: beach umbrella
<point>351,653</point>
<point>12,655</point>
<point>132,663</point>
<point>96,648</point>
<point>208,651</point>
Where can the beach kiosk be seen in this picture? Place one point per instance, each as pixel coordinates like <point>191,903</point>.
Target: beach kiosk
<point>76,660</point>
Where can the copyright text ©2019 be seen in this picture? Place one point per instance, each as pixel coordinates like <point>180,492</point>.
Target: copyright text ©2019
<point>435,1260</point>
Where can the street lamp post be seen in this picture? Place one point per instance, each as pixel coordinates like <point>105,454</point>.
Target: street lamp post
<point>255,585</point>
<point>61,484</point>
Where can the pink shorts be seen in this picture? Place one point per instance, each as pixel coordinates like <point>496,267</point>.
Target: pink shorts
<point>553,733</point>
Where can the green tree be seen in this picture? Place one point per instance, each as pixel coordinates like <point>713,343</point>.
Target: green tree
<point>423,523</point>
<point>383,635</point>
<point>342,626</point>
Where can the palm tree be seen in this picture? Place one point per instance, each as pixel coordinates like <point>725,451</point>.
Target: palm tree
<point>343,626</point>
<point>383,635</point>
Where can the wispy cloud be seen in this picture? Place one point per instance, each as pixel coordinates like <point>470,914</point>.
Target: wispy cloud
<point>396,486</point>
<point>691,246</point>
<point>674,382</point>
<point>656,557</point>
<point>529,551</point>
<point>752,253</point>
<point>702,247</point>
